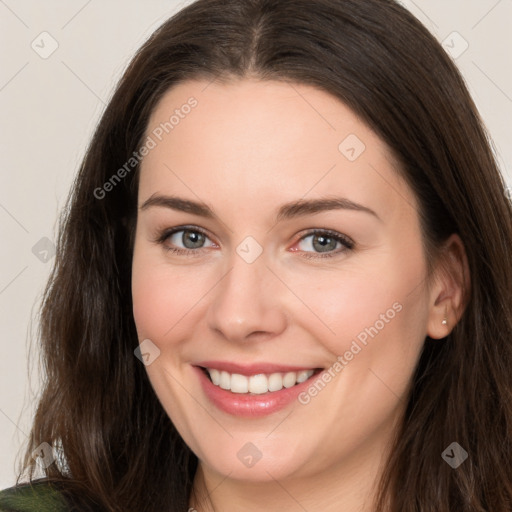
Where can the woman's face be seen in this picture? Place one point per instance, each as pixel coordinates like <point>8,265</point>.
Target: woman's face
<point>237,181</point>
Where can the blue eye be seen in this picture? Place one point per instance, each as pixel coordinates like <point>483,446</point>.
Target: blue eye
<point>323,242</point>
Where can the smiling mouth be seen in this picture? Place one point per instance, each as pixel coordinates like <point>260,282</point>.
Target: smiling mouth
<point>260,383</point>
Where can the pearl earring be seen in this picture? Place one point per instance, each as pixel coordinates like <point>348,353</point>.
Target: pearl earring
<point>445,321</point>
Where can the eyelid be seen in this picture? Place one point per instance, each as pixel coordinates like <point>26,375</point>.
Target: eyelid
<point>166,233</point>
<point>330,232</point>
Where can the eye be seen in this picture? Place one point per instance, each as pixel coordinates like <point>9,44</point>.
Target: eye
<point>318,243</point>
<point>325,243</point>
<point>191,238</point>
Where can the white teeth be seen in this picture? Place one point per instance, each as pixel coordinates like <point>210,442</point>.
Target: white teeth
<point>225,380</point>
<point>215,375</point>
<point>289,379</point>
<point>239,383</point>
<point>257,384</point>
<point>302,376</point>
<point>275,382</point>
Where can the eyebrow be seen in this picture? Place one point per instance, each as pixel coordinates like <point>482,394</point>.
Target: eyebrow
<point>287,211</point>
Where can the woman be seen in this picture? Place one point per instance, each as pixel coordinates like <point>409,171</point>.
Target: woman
<point>283,277</point>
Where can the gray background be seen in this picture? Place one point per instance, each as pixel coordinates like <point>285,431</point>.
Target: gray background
<point>50,106</point>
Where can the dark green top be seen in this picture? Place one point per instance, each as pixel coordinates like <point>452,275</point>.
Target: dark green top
<point>39,496</point>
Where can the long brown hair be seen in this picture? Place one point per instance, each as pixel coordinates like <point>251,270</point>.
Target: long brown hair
<point>121,450</point>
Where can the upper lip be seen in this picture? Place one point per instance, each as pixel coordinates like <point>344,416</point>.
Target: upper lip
<point>253,368</point>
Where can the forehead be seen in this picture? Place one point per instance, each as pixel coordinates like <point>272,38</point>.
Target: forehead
<point>245,140</point>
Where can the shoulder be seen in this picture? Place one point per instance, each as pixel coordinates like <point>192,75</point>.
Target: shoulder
<point>36,496</point>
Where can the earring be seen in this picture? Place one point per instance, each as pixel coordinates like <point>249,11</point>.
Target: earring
<point>445,320</point>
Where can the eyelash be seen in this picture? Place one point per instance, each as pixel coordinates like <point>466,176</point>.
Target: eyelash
<point>338,237</point>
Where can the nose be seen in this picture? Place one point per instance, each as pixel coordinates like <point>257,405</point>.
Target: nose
<point>246,303</point>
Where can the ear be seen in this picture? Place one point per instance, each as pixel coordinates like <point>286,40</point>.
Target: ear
<point>450,290</point>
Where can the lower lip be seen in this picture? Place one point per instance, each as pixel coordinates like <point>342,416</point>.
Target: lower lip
<point>251,406</point>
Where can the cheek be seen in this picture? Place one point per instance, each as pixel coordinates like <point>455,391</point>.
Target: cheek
<point>164,296</point>
<point>378,299</point>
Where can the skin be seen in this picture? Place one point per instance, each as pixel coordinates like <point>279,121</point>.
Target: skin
<point>248,147</point>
